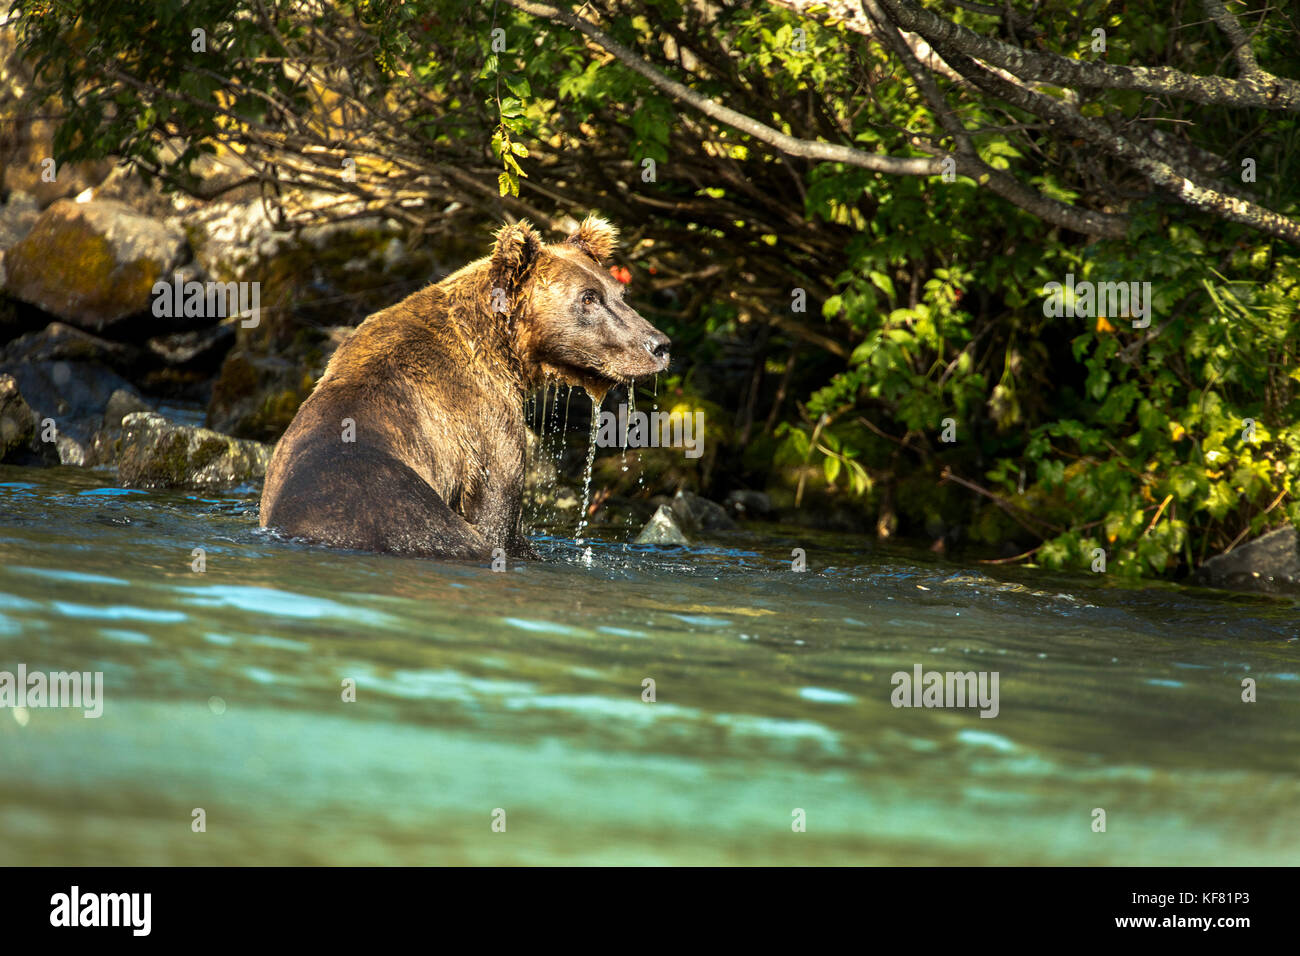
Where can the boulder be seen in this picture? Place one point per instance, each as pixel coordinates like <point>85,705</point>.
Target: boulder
<point>156,453</point>
<point>74,396</point>
<point>121,404</point>
<point>180,365</point>
<point>201,347</point>
<point>1269,563</point>
<point>104,444</point>
<point>663,528</point>
<point>17,423</point>
<point>58,342</point>
<point>185,363</point>
<point>700,514</point>
<point>149,198</point>
<point>748,504</point>
<point>94,263</point>
<point>232,239</point>
<point>17,217</point>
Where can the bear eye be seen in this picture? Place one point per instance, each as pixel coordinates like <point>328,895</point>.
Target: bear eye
<point>590,297</point>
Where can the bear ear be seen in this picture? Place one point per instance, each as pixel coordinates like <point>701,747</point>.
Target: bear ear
<point>595,237</point>
<point>515,255</point>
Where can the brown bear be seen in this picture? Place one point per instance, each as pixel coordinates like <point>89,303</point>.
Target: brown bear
<point>413,440</point>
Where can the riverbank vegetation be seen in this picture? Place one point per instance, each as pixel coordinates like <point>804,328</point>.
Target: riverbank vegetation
<point>847,216</point>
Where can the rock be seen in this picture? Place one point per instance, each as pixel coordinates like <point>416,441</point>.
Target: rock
<point>200,346</point>
<point>700,514</point>
<point>256,396</point>
<point>180,365</point>
<point>748,504</point>
<point>662,529</point>
<point>58,342</point>
<point>212,177</point>
<point>75,396</point>
<point>126,186</point>
<point>235,239</point>
<point>17,217</point>
<point>155,453</point>
<point>17,423</point>
<point>1270,563</point>
<point>189,362</point>
<point>93,263</point>
<point>122,403</point>
<point>104,444</point>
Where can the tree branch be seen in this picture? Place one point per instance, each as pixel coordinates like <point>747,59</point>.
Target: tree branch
<point>790,145</point>
<point>1156,170</point>
<point>1241,50</point>
<point>1260,89</point>
<point>968,160</point>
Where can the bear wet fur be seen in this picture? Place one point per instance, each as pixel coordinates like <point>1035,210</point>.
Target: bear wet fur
<point>431,392</point>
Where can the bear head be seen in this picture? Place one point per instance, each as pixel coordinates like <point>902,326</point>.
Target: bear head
<point>567,314</point>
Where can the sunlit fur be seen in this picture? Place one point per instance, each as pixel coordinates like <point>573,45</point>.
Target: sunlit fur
<point>435,387</point>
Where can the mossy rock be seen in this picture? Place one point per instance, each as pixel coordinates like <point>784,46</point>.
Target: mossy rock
<point>92,264</point>
<point>256,396</point>
<point>155,453</point>
<point>17,423</point>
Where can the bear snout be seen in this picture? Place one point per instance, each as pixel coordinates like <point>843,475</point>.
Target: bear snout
<point>658,345</point>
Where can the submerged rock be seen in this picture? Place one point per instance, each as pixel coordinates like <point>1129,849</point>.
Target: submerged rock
<point>700,514</point>
<point>156,453</point>
<point>662,529</point>
<point>93,263</point>
<point>1269,563</point>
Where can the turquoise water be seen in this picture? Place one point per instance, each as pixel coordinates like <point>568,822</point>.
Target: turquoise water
<point>479,692</point>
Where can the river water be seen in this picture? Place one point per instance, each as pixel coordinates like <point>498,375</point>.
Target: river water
<point>518,697</point>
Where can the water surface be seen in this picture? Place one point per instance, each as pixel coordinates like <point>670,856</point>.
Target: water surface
<point>479,692</point>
